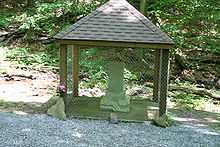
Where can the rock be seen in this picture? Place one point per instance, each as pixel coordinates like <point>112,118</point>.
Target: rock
<point>96,92</point>
<point>85,92</point>
<point>58,110</point>
<point>135,91</point>
<point>200,85</point>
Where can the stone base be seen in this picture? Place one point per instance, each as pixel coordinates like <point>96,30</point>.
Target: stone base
<point>89,108</point>
<point>115,103</point>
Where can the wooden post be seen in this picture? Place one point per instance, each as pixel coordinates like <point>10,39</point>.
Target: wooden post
<point>163,80</point>
<point>63,70</point>
<point>75,72</point>
<point>63,64</point>
<point>142,6</point>
<point>156,90</point>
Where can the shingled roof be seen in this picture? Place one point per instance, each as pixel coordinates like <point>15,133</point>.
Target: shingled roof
<point>115,21</point>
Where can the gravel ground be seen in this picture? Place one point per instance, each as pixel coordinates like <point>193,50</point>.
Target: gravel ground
<point>44,131</point>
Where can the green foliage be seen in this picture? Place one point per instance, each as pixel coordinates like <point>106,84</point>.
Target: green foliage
<point>94,62</point>
<point>3,22</point>
<point>193,24</point>
<point>98,79</point>
<point>27,57</point>
<point>49,18</point>
<point>129,76</point>
<point>92,68</point>
<point>5,19</point>
<point>189,101</point>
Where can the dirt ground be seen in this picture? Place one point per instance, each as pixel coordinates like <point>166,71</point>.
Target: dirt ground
<point>23,88</point>
<point>25,85</point>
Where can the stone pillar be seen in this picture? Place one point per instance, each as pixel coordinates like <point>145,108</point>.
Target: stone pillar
<point>115,99</point>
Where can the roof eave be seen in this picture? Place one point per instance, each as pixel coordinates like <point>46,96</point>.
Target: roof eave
<point>120,44</point>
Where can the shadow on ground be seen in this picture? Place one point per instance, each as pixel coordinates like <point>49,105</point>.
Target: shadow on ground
<point>191,117</point>
<point>196,117</point>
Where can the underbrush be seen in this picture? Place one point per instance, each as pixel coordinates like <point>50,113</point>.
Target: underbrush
<point>5,19</point>
<point>26,56</point>
<point>49,18</point>
<point>189,101</point>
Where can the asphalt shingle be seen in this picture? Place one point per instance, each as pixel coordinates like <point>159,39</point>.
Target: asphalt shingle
<point>118,21</point>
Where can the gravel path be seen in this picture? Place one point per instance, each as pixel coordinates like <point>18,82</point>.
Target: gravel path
<point>44,131</point>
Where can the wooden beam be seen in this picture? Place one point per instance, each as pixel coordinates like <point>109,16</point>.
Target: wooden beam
<point>63,64</point>
<point>156,86</point>
<point>163,81</point>
<point>116,44</point>
<point>142,6</point>
<point>75,72</point>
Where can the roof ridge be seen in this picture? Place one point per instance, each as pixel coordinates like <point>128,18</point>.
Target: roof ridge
<point>145,20</point>
<point>131,9</point>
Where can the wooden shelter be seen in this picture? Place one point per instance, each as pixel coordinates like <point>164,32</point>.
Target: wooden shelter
<point>117,24</point>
